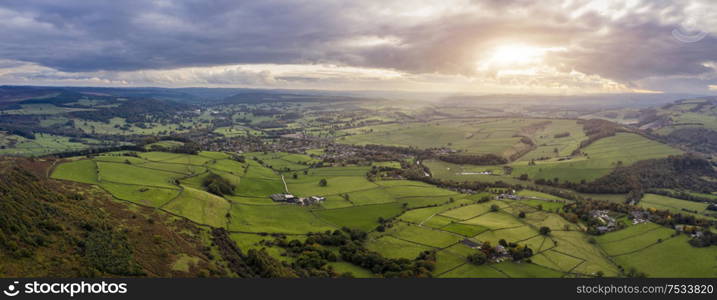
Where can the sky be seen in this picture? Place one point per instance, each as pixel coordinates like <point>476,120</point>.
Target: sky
<point>461,46</point>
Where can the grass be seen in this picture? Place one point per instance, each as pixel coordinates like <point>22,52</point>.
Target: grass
<point>230,166</point>
<point>543,205</point>
<point>309,185</point>
<point>674,205</point>
<point>149,196</point>
<point>201,207</point>
<point>470,211</point>
<point>387,164</point>
<point>556,260</point>
<point>472,271</point>
<point>446,261</point>
<point>392,247</point>
<point>184,262</point>
<point>150,181</point>
<point>289,219</point>
<point>424,236</point>
<point>42,144</point>
<point>128,174</point>
<point>495,220</point>
<point>246,241</point>
<point>514,234</point>
<point>175,168</point>
<point>673,258</point>
<point>526,270</point>
<point>363,217</point>
<point>602,157</point>
<point>635,242</point>
<point>437,221</point>
<point>576,244</point>
<point>254,187</point>
<point>538,195</point>
<point>84,171</point>
<point>373,196</point>
<point>467,230</point>
<point>478,137</point>
<point>342,267</point>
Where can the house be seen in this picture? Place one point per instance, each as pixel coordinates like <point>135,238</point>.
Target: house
<point>607,222</point>
<point>639,216</point>
<point>289,198</point>
<point>501,251</point>
<point>508,196</point>
<point>283,198</point>
<point>470,243</point>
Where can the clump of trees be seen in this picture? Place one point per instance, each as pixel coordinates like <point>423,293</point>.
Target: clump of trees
<point>487,252</point>
<point>685,172</point>
<point>218,185</point>
<point>465,159</point>
<point>706,239</point>
<point>561,135</point>
<point>312,254</point>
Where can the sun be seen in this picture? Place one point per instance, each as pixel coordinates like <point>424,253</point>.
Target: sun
<point>514,56</point>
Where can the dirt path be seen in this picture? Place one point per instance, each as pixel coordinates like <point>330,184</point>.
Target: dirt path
<point>286,188</point>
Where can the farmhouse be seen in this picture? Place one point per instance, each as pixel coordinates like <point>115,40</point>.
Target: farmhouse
<point>283,197</point>
<point>289,198</point>
<point>509,196</point>
<point>608,223</point>
<point>470,243</point>
<point>638,216</point>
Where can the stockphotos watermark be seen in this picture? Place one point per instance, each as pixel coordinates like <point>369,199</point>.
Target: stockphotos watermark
<point>64,288</point>
<point>690,31</point>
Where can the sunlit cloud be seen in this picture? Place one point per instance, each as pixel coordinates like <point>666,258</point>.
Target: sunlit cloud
<point>477,46</point>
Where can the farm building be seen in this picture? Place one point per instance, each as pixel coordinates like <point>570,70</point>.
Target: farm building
<point>289,198</point>
<point>470,243</point>
<point>283,197</point>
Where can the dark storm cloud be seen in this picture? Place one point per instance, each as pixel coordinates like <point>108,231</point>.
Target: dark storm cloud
<point>80,36</point>
<point>131,35</point>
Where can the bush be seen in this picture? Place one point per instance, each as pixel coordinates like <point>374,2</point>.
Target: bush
<point>544,230</point>
<point>478,258</point>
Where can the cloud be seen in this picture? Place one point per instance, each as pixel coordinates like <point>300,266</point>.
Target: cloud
<point>609,43</point>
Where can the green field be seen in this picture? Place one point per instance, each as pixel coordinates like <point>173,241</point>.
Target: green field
<point>84,171</point>
<point>474,136</point>
<point>697,209</point>
<point>638,247</point>
<point>290,219</point>
<point>362,217</point>
<point>200,206</point>
<point>601,157</point>
<point>427,217</point>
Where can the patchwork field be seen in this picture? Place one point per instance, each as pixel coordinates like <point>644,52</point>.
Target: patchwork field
<point>426,217</point>
<point>600,158</point>
<point>651,249</point>
<point>697,209</point>
<point>483,136</point>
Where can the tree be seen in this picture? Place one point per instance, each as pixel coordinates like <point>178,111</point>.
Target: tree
<point>521,214</point>
<point>544,230</point>
<point>494,208</point>
<point>323,182</point>
<point>295,176</point>
<point>478,258</point>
